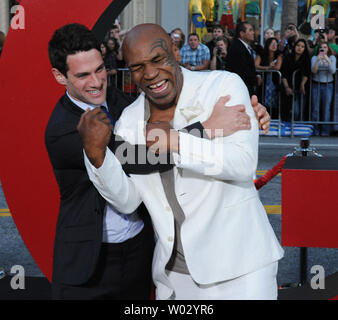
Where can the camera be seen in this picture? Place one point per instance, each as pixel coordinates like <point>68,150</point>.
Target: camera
<point>219,51</point>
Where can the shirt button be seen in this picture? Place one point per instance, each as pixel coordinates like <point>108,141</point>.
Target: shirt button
<point>168,208</point>
<point>170,239</point>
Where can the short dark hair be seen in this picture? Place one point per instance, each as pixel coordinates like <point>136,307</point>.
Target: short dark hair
<point>291,24</point>
<point>332,27</point>
<point>218,26</point>
<point>193,34</point>
<point>241,26</point>
<point>224,39</point>
<point>68,40</point>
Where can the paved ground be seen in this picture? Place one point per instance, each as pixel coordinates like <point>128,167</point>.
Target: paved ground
<point>272,149</point>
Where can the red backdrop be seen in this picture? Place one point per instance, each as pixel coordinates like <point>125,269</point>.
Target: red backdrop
<point>28,95</point>
<point>309,203</point>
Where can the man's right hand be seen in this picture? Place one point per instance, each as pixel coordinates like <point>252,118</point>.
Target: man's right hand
<point>225,121</point>
<point>95,129</point>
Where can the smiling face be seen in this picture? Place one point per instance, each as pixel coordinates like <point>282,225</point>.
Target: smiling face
<point>151,58</point>
<point>273,46</point>
<point>86,79</point>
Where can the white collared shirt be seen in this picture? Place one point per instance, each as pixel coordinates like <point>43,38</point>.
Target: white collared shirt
<point>248,48</point>
<point>117,227</point>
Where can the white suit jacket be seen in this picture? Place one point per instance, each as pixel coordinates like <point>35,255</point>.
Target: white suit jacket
<point>226,232</point>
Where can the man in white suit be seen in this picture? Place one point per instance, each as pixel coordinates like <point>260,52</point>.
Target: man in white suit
<point>214,240</point>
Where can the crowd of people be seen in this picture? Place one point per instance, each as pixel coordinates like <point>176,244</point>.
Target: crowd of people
<point>313,57</point>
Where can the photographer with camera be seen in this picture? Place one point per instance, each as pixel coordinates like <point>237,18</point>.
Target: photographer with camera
<point>323,67</point>
<point>331,39</point>
<point>325,35</point>
<point>319,36</point>
<point>218,61</point>
<point>290,31</point>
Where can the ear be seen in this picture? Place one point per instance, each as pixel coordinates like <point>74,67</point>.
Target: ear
<point>59,77</point>
<point>176,53</point>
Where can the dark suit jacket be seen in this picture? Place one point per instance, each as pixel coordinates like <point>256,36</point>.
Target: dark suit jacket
<point>79,226</point>
<point>240,61</point>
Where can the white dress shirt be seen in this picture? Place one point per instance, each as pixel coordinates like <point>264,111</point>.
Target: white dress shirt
<point>226,232</point>
<point>117,227</point>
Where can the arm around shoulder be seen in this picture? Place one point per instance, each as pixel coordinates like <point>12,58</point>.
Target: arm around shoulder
<point>229,158</point>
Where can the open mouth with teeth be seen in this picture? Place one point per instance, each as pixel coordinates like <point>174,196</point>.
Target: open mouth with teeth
<point>159,88</point>
<point>95,93</point>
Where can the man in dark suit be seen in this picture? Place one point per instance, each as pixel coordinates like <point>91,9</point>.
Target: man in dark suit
<point>99,253</point>
<point>241,57</point>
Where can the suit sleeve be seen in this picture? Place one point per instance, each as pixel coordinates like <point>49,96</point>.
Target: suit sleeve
<point>64,146</point>
<point>113,184</point>
<point>228,158</point>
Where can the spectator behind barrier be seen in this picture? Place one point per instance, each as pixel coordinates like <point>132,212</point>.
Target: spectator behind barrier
<point>269,33</point>
<point>323,67</point>
<point>178,37</point>
<point>217,31</point>
<point>298,59</point>
<point>270,59</point>
<point>218,61</point>
<point>109,58</point>
<point>195,55</point>
<point>290,31</point>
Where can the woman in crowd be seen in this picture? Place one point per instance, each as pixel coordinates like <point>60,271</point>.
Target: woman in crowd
<point>109,58</point>
<point>299,60</point>
<point>270,59</point>
<point>323,67</point>
<point>269,33</point>
<point>178,37</point>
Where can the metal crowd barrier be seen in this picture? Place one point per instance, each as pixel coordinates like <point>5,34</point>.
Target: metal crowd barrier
<point>306,116</point>
<point>275,108</point>
<point>123,81</point>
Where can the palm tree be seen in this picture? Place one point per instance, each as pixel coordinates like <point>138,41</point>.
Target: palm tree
<point>289,14</point>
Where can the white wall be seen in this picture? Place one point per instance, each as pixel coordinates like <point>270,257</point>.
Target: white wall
<point>174,14</point>
<point>4,16</point>
<point>140,11</point>
<point>170,14</point>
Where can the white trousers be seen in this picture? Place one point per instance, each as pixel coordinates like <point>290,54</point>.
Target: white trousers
<point>257,285</point>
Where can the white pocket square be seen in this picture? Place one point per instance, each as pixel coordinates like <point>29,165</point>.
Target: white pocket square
<point>192,112</point>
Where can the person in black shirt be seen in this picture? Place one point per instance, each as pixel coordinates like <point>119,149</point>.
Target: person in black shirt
<point>217,31</point>
<point>298,59</point>
<point>218,61</point>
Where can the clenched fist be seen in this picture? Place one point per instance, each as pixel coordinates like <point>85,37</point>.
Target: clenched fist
<point>95,129</point>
